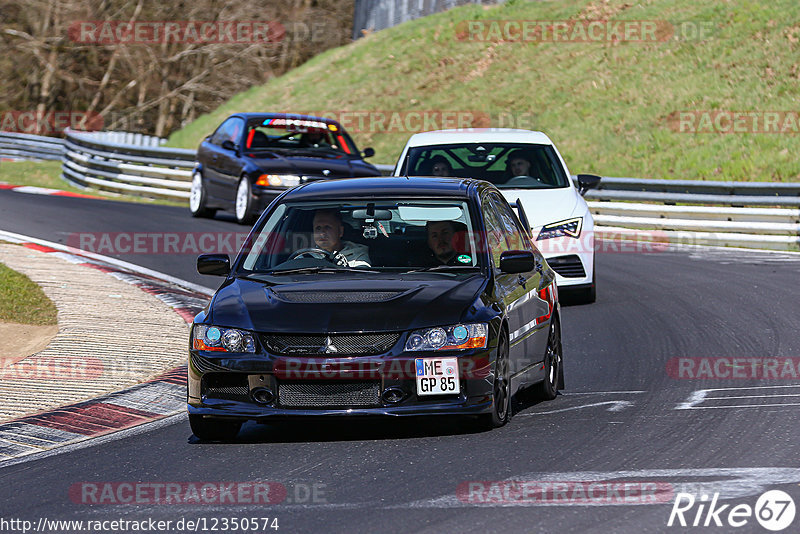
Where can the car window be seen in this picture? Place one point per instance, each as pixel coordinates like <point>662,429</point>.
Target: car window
<point>230,130</point>
<point>515,237</point>
<point>507,165</point>
<point>292,133</point>
<point>495,238</point>
<point>399,235</point>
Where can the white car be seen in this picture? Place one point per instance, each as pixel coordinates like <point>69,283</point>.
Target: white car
<point>525,166</point>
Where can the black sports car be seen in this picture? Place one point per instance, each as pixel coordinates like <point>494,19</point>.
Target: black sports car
<point>376,296</point>
<point>251,158</point>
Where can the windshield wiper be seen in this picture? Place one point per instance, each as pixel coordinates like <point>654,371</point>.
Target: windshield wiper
<point>318,269</point>
<point>445,268</point>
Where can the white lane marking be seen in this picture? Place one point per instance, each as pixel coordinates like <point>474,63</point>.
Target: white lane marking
<point>731,483</point>
<point>35,190</point>
<point>616,406</point>
<point>702,395</point>
<point>19,238</point>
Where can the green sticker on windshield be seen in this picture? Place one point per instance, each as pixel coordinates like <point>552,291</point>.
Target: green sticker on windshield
<point>464,258</point>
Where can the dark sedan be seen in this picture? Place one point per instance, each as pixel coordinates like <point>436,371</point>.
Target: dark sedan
<point>251,158</point>
<point>376,297</point>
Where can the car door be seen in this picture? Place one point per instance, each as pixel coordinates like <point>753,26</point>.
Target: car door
<point>230,161</point>
<point>529,339</point>
<point>217,160</point>
<point>507,287</point>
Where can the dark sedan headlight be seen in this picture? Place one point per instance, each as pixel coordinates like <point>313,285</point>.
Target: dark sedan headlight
<point>278,180</point>
<point>219,339</point>
<point>568,227</point>
<point>457,337</point>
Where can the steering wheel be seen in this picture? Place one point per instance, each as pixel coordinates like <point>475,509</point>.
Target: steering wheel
<point>315,252</point>
<point>524,179</point>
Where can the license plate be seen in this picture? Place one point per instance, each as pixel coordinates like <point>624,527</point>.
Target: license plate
<point>437,376</point>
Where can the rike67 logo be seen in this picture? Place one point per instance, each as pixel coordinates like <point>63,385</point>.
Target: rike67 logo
<point>774,510</point>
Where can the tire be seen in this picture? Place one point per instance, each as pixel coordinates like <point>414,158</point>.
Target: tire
<point>501,394</point>
<point>244,204</point>
<point>214,429</point>
<point>198,198</point>
<point>553,363</point>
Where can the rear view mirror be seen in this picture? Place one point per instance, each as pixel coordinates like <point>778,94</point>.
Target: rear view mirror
<point>587,181</point>
<point>517,261</point>
<point>214,264</point>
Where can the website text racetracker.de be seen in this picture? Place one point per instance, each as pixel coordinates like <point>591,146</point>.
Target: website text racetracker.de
<point>183,524</point>
<point>111,243</point>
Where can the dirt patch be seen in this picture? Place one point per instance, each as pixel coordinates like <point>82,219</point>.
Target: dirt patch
<point>22,340</point>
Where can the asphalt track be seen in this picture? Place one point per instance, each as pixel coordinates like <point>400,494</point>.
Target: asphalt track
<point>622,417</point>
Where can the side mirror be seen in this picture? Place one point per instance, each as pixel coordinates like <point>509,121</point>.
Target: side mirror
<point>214,264</point>
<point>586,182</point>
<point>517,261</point>
<point>228,145</point>
<point>368,152</point>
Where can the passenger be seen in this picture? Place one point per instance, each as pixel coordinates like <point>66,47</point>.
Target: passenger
<point>328,232</point>
<point>441,167</point>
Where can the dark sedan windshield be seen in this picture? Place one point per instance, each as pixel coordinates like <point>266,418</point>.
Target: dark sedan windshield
<point>298,134</point>
<point>396,235</point>
<point>507,165</point>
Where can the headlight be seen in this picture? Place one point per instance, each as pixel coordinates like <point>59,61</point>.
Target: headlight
<point>218,339</point>
<point>458,337</point>
<point>275,180</point>
<point>569,227</point>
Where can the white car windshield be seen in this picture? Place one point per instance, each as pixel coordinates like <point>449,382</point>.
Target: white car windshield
<point>507,165</point>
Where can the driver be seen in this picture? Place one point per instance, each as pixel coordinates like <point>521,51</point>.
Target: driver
<point>519,164</point>
<point>328,232</point>
<point>441,242</point>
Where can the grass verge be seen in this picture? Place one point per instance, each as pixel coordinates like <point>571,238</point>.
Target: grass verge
<point>22,301</point>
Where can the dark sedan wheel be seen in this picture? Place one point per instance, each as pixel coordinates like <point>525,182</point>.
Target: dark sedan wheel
<point>553,359</point>
<point>213,429</point>
<point>245,203</point>
<point>198,198</point>
<point>501,407</point>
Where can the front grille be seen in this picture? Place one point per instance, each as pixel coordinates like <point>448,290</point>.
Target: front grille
<point>329,394</point>
<point>336,297</point>
<point>340,344</point>
<point>229,386</point>
<point>567,266</point>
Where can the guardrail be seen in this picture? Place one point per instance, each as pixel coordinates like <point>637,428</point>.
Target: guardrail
<point>745,214</point>
<point>126,168</point>
<point>26,146</point>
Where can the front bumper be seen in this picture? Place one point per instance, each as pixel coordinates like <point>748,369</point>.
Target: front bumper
<point>240,376</point>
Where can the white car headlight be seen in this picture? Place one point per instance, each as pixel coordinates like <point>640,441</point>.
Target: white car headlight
<point>219,339</point>
<point>457,337</point>
<point>568,227</point>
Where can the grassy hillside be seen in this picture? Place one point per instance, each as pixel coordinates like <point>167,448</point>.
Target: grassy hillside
<point>612,108</point>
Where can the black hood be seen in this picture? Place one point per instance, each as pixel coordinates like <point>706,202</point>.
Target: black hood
<point>357,304</point>
<point>311,163</point>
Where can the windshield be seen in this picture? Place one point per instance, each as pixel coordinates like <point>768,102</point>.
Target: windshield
<point>298,134</point>
<point>507,165</point>
<point>366,236</point>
